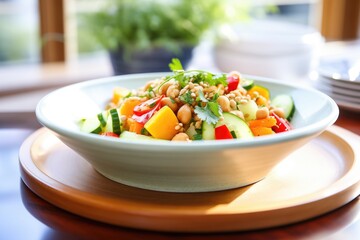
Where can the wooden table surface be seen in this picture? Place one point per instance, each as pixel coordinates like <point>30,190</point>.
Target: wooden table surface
<point>23,215</point>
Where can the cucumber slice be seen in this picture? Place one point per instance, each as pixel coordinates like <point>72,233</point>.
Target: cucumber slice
<point>236,125</point>
<point>115,121</point>
<point>285,102</point>
<point>249,109</point>
<point>91,125</point>
<point>191,132</point>
<point>208,131</point>
<point>133,136</point>
<point>103,117</point>
<point>247,84</point>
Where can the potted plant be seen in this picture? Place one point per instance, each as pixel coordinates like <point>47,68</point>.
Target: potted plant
<point>144,35</point>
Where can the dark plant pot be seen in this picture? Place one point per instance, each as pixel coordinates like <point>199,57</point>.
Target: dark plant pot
<point>154,60</point>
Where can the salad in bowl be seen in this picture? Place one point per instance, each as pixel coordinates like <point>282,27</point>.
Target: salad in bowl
<point>193,105</point>
<point>186,130</point>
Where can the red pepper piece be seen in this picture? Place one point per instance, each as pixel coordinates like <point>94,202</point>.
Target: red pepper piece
<point>145,110</point>
<point>222,132</point>
<point>233,81</point>
<point>147,106</point>
<point>110,134</point>
<point>282,125</point>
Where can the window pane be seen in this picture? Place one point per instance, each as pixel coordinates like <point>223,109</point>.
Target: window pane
<point>86,43</point>
<point>19,42</point>
<point>297,13</point>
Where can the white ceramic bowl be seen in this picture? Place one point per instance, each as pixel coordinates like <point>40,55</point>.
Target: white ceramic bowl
<point>198,166</point>
<point>266,48</point>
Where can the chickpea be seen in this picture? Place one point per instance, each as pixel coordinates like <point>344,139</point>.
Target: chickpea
<point>261,101</point>
<point>148,85</point>
<point>172,91</point>
<point>165,87</point>
<point>224,103</point>
<point>262,113</point>
<point>172,104</point>
<point>220,86</point>
<point>184,114</point>
<point>198,124</point>
<point>181,137</point>
<point>233,104</point>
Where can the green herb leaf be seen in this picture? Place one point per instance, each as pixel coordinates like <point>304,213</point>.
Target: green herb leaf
<point>214,108</point>
<point>215,97</point>
<point>220,79</point>
<point>182,79</point>
<point>201,97</point>
<point>195,76</point>
<point>205,114</point>
<point>187,98</point>
<point>175,65</point>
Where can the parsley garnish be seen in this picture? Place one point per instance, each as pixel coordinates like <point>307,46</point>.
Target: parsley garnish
<point>175,65</point>
<point>215,97</point>
<point>187,98</point>
<point>214,108</point>
<point>206,114</point>
<point>184,77</point>
<point>211,112</point>
<point>201,97</point>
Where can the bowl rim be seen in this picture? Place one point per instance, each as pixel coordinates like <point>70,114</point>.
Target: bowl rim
<point>306,131</point>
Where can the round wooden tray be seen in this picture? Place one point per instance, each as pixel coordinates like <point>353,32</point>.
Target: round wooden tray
<point>319,177</point>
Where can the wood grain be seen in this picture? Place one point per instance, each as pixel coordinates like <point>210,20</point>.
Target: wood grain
<point>318,178</point>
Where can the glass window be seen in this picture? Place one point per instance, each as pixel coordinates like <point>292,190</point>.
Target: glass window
<point>19,42</point>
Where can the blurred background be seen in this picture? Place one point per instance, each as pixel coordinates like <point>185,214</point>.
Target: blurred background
<point>46,44</point>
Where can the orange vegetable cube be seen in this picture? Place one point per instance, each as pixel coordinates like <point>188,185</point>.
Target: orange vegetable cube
<point>162,124</point>
<point>134,126</point>
<point>260,90</point>
<point>119,93</point>
<point>127,107</point>
<point>266,122</point>
<point>261,131</point>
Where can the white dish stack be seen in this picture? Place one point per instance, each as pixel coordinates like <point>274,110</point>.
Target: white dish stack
<point>340,79</point>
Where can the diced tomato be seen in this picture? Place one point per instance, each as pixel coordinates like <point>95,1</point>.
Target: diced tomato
<point>145,110</point>
<point>282,125</point>
<point>110,134</point>
<point>233,81</point>
<point>222,132</point>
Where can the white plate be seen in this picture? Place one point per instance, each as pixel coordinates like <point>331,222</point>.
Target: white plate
<point>341,97</point>
<point>337,90</point>
<point>349,85</point>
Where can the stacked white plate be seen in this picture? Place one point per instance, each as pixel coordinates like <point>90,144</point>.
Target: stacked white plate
<point>340,79</point>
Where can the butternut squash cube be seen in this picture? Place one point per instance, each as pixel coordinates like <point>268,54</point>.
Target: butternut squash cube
<point>127,107</point>
<point>162,124</point>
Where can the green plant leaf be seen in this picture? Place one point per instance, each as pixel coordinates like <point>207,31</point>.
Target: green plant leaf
<point>175,65</point>
<point>214,108</point>
<point>205,114</point>
<point>201,97</point>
